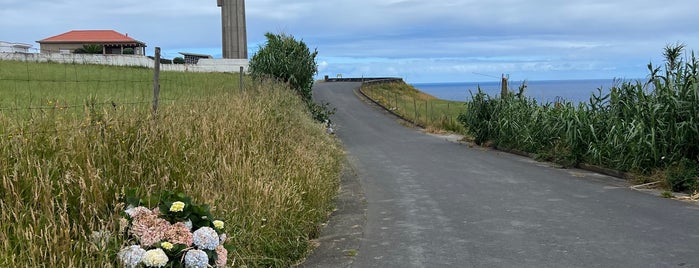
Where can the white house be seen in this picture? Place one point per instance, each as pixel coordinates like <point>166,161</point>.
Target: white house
<point>7,47</point>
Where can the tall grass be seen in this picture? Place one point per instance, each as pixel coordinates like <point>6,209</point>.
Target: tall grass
<point>639,126</point>
<point>417,107</point>
<point>257,157</point>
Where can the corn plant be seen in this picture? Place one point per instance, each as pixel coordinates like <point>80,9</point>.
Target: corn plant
<point>638,126</point>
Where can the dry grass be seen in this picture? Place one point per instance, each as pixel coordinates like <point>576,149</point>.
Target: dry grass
<point>265,167</point>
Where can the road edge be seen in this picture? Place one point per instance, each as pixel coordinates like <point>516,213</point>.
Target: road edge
<point>340,238</point>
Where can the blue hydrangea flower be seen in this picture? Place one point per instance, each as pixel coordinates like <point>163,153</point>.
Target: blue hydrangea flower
<point>205,238</point>
<point>131,256</point>
<point>196,259</point>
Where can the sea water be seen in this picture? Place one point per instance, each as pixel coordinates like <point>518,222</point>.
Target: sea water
<point>543,91</point>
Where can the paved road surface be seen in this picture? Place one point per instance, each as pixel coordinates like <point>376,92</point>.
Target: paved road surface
<point>435,203</point>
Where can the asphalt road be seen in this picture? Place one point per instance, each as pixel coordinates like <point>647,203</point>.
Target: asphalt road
<point>429,202</point>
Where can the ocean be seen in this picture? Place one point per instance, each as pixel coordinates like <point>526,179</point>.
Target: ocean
<point>543,91</point>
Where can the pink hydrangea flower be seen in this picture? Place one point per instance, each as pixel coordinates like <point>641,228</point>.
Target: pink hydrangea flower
<point>221,256</point>
<point>222,239</point>
<point>137,212</point>
<point>179,233</point>
<point>150,229</point>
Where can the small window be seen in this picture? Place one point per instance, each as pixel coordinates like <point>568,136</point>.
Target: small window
<point>64,51</point>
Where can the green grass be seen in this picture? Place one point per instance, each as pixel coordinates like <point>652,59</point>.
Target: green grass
<point>29,86</point>
<point>256,157</point>
<point>415,106</point>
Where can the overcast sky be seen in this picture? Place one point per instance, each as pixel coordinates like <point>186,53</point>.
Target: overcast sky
<point>421,41</point>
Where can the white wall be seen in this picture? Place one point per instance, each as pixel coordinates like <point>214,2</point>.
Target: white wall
<point>204,65</point>
<point>7,47</point>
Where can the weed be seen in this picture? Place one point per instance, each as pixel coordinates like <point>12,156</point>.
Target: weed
<point>351,252</point>
<point>667,194</point>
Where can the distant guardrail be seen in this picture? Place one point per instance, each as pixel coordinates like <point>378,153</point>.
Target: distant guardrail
<point>366,80</point>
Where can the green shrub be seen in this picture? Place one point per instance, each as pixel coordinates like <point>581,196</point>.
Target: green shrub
<point>287,60</point>
<point>478,116</point>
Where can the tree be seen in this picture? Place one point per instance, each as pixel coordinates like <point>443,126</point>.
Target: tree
<point>288,60</point>
<point>178,60</point>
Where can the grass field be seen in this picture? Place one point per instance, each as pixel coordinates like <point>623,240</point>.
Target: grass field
<point>256,157</point>
<point>418,107</point>
<point>25,86</point>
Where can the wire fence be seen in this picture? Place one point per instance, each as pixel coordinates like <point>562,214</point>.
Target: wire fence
<point>419,110</point>
<point>29,87</point>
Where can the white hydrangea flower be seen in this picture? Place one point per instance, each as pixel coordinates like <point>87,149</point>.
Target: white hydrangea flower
<point>155,258</point>
<point>100,238</point>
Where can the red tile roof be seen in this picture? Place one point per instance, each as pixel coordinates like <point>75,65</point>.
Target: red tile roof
<point>90,36</point>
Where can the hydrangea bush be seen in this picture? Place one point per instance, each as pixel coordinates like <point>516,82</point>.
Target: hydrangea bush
<point>176,233</point>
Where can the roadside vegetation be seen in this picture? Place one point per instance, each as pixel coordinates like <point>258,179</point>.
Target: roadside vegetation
<point>417,107</point>
<point>75,138</point>
<point>650,128</point>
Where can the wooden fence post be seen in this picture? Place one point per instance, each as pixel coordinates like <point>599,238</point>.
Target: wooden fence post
<point>395,97</point>
<point>156,81</point>
<point>449,113</point>
<point>415,107</point>
<point>503,90</point>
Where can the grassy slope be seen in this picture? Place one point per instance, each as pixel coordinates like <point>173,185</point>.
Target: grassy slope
<point>434,114</point>
<point>264,166</point>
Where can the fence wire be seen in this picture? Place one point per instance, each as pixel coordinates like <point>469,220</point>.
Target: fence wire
<point>29,88</point>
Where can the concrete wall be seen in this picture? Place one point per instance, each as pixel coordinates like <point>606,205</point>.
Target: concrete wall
<point>204,65</point>
<point>56,48</point>
<point>7,47</point>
